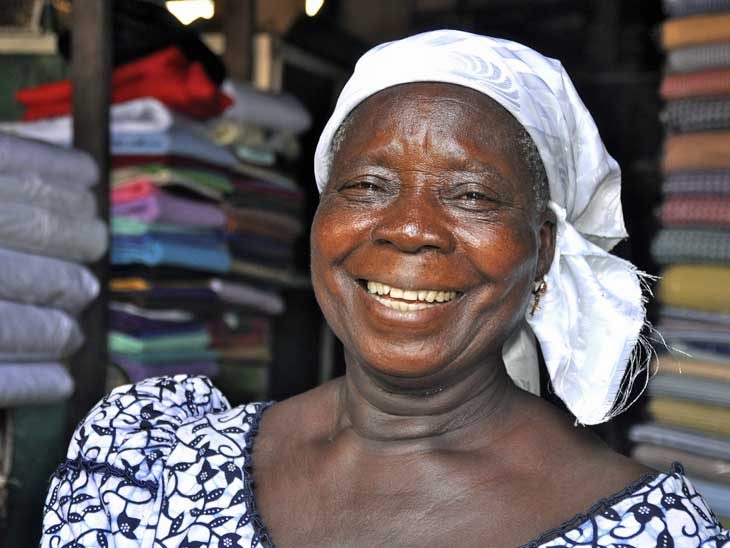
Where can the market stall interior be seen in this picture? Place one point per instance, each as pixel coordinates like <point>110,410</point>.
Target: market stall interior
<point>156,191</point>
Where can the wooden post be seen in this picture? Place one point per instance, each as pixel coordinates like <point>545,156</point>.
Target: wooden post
<point>91,69</point>
<point>238,29</point>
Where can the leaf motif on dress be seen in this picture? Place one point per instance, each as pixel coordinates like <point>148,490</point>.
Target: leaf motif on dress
<point>176,523</point>
<point>215,494</point>
<point>610,513</point>
<point>101,539</point>
<point>664,540</point>
<point>102,430</point>
<point>217,522</point>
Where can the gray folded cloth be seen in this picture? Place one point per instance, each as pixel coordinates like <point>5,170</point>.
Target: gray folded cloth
<point>701,57</point>
<point>686,440</point>
<point>46,282</point>
<point>57,199</point>
<point>678,245</point>
<point>689,115</point>
<point>48,163</point>
<point>711,392</point>
<point>35,230</point>
<point>31,334</point>
<point>270,110</point>
<point>33,384</point>
<point>249,296</point>
<point>681,8</point>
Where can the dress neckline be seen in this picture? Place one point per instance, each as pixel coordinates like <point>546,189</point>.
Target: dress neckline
<point>262,536</point>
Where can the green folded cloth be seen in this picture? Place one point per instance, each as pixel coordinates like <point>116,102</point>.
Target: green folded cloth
<point>243,383</point>
<point>126,344</point>
<point>129,226</point>
<point>182,356</point>
<point>679,245</point>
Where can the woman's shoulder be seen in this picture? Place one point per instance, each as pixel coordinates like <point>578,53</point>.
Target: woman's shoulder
<point>659,509</point>
<point>139,422</point>
<point>140,447</point>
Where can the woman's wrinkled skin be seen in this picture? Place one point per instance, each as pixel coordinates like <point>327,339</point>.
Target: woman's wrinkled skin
<point>426,441</point>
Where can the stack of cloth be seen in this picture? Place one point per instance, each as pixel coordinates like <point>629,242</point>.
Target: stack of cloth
<point>690,394</point>
<point>202,228</point>
<point>48,226</point>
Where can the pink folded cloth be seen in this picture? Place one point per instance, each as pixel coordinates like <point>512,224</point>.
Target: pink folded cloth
<point>163,207</point>
<point>699,210</point>
<point>133,191</point>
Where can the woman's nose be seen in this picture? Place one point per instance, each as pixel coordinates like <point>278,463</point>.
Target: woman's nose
<point>413,226</point>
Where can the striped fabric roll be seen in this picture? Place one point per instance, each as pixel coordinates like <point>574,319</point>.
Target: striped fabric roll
<point>697,210</point>
<point>687,115</point>
<point>673,245</point>
<point>685,440</point>
<point>708,82</point>
<point>704,391</point>
<point>696,151</point>
<point>698,57</point>
<point>696,286</point>
<point>698,29</point>
<point>697,182</point>
<point>682,8</point>
<point>660,458</point>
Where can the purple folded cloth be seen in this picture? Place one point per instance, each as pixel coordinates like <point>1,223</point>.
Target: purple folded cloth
<point>163,207</point>
<point>137,371</point>
<point>139,326</point>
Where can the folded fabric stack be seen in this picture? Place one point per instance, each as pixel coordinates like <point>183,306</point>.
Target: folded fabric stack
<point>202,231</point>
<point>48,225</point>
<point>690,394</point>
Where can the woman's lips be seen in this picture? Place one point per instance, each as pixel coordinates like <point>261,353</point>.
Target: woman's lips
<point>407,300</point>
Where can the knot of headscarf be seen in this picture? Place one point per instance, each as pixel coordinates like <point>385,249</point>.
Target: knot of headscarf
<point>590,318</point>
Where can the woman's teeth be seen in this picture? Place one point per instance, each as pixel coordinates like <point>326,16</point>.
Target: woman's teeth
<point>420,299</point>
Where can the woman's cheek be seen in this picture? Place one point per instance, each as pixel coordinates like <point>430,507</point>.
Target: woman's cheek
<point>336,231</point>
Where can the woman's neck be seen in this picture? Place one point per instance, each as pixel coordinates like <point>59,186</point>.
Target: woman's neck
<point>380,412</point>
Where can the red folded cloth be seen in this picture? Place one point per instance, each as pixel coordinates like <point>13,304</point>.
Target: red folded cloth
<point>696,84</point>
<point>703,210</point>
<point>166,75</point>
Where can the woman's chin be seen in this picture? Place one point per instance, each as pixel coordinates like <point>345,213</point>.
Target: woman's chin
<point>406,370</point>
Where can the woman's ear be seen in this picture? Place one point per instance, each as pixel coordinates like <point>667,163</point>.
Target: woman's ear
<point>546,241</point>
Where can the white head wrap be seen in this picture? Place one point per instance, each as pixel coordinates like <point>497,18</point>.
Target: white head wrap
<point>589,320</point>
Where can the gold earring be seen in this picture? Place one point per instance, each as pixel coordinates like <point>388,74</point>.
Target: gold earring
<point>538,291</point>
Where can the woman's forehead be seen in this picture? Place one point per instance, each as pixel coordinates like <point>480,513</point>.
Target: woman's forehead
<point>433,106</point>
<point>461,119</point>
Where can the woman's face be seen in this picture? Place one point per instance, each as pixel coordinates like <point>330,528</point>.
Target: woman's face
<point>427,242</point>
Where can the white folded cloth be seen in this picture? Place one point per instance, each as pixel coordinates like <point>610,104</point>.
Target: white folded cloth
<point>31,334</point>
<point>51,164</point>
<point>42,281</point>
<point>35,230</point>
<point>144,115</point>
<point>33,384</point>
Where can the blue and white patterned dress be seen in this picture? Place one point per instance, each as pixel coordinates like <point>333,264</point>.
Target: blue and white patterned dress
<point>167,462</point>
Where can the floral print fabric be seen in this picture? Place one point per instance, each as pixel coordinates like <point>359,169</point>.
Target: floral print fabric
<point>167,463</point>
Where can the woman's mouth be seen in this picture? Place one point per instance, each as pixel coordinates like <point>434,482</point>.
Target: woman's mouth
<point>406,300</point>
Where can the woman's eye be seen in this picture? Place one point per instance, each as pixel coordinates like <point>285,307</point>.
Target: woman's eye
<point>473,196</point>
<point>362,186</point>
<point>365,186</point>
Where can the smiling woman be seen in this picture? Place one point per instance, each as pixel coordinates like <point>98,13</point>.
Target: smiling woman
<point>427,195</point>
<point>467,207</point>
